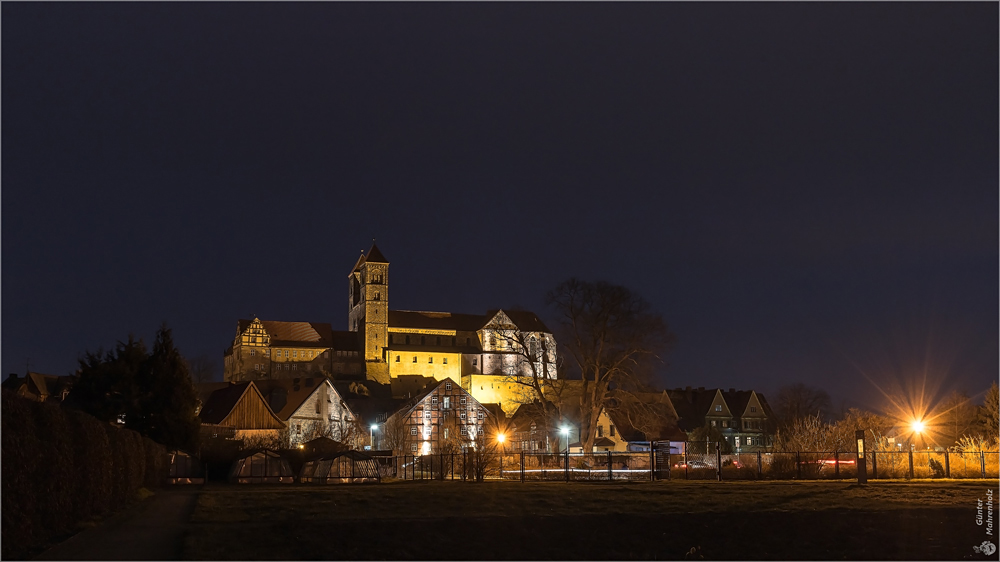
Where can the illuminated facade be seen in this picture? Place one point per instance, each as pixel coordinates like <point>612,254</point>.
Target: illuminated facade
<point>442,419</point>
<point>486,354</point>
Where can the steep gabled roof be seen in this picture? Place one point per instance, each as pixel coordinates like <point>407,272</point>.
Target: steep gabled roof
<point>525,320</point>
<point>692,411</point>
<point>405,408</point>
<point>222,403</point>
<point>298,334</point>
<point>737,401</point>
<point>375,256</point>
<point>357,265</point>
<point>408,386</point>
<point>286,396</point>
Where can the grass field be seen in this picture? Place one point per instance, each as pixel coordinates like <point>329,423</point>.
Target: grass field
<point>582,521</point>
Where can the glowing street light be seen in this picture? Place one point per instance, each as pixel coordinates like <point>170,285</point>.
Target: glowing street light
<point>371,436</point>
<point>917,425</point>
<point>500,439</point>
<point>565,431</point>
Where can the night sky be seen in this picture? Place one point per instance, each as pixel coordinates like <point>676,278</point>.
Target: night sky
<point>807,192</point>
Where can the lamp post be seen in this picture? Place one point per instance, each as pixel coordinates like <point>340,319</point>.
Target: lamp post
<point>500,439</point>
<point>565,431</point>
<point>371,436</point>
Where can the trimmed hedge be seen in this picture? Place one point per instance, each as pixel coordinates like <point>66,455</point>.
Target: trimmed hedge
<point>61,467</point>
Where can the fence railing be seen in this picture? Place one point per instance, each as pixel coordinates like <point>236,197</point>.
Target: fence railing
<point>659,465</point>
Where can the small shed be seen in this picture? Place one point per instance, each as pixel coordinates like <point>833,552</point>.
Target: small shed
<point>262,467</point>
<point>342,468</point>
<point>185,469</point>
<point>322,447</point>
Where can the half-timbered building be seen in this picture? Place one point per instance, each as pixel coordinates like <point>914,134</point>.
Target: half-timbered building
<point>443,418</point>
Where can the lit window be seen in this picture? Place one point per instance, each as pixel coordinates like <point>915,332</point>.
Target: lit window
<point>444,360</point>
<point>286,353</point>
<point>447,402</point>
<point>446,433</point>
<point>413,430</point>
<point>447,385</point>
<point>713,423</point>
<point>397,359</point>
<point>427,415</point>
<point>718,407</point>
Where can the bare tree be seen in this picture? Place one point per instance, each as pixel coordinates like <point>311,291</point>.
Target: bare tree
<point>612,337</point>
<point>528,359</point>
<point>799,401</point>
<point>202,369</point>
<point>989,414</point>
<point>807,433</point>
<point>957,418</point>
<point>395,434</point>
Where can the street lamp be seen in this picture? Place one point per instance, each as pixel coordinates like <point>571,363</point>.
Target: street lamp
<point>500,439</point>
<point>371,436</point>
<point>917,426</point>
<point>565,431</point>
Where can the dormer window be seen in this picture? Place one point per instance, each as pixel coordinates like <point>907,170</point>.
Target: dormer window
<point>718,407</point>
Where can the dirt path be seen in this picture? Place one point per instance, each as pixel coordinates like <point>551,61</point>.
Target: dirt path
<point>153,530</point>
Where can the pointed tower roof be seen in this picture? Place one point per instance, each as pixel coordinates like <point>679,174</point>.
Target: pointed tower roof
<point>357,266</point>
<point>375,256</point>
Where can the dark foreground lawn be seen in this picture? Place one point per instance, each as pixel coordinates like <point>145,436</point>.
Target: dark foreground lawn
<point>581,521</point>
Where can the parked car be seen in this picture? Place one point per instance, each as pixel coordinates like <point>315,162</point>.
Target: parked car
<point>693,464</point>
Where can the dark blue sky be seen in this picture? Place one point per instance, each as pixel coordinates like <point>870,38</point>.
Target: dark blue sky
<point>805,191</point>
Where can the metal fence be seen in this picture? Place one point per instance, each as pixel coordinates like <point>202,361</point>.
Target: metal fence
<point>660,465</point>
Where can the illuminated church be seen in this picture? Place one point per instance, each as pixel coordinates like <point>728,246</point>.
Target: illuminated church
<point>487,353</point>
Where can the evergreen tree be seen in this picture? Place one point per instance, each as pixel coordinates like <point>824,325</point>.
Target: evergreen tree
<point>167,398</point>
<point>152,393</point>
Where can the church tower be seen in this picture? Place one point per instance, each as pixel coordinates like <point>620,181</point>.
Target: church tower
<point>369,309</point>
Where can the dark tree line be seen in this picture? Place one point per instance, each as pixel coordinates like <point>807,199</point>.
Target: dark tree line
<point>150,392</point>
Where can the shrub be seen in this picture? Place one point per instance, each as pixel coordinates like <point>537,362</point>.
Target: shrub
<point>62,467</point>
<point>936,468</point>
